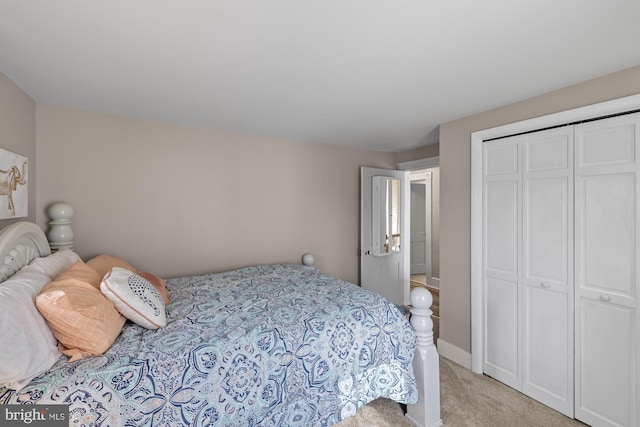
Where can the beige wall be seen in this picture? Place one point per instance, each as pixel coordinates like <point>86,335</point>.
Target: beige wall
<point>175,200</point>
<point>18,135</point>
<point>455,163</point>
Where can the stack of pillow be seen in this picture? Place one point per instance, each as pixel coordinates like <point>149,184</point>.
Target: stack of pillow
<point>79,310</point>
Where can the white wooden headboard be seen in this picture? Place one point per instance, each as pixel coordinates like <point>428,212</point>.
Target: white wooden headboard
<point>20,243</point>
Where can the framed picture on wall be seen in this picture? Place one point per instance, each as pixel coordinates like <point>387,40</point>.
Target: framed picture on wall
<point>14,191</point>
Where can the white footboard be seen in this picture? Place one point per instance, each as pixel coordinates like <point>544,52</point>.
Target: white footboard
<point>426,365</point>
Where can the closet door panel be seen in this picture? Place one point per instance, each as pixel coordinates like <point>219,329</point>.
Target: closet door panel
<point>501,158</point>
<point>548,374</point>
<point>548,150</point>
<point>501,320</point>
<point>547,313</point>
<point>501,228</point>
<point>607,144</point>
<point>606,364</point>
<point>608,227</point>
<point>547,352</point>
<point>606,251</point>
<point>546,233</point>
<point>501,261</point>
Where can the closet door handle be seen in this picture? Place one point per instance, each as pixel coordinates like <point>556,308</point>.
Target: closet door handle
<point>605,298</point>
<point>545,285</point>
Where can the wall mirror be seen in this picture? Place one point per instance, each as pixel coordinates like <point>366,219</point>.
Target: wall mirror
<point>386,215</point>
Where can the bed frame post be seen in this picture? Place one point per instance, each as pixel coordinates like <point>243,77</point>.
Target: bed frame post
<point>426,363</point>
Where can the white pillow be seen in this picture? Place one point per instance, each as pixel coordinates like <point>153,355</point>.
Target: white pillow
<point>27,345</point>
<point>53,265</point>
<point>134,297</point>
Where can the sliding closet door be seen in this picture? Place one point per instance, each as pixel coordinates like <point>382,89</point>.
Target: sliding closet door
<point>547,291</point>
<point>606,273</point>
<point>501,230</point>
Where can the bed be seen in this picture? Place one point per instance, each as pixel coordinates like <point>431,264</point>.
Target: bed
<point>269,345</point>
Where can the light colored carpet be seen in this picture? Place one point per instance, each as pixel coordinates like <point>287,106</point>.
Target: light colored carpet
<point>468,400</point>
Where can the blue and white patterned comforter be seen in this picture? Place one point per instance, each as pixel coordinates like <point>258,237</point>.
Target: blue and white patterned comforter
<point>277,345</point>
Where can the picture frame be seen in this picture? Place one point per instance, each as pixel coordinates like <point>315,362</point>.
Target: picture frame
<point>14,186</point>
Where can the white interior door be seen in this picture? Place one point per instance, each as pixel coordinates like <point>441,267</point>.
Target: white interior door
<point>547,245</point>
<point>386,273</point>
<point>420,221</point>
<point>502,260</point>
<point>607,219</point>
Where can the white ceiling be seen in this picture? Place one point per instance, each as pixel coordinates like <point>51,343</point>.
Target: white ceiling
<point>381,74</point>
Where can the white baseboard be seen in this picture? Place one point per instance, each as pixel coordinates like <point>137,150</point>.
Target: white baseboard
<point>455,354</point>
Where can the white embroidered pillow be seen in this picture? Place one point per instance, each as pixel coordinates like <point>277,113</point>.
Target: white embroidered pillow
<point>27,346</point>
<point>55,264</point>
<point>135,297</point>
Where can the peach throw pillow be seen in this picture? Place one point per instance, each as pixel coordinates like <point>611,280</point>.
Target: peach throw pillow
<point>157,283</point>
<point>104,263</point>
<point>84,322</point>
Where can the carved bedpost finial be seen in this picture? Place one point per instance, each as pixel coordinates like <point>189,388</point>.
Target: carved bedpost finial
<point>61,235</point>
<point>421,300</point>
<point>426,363</point>
<point>308,259</point>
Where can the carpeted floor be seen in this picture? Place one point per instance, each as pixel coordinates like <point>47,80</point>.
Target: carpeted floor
<point>468,400</point>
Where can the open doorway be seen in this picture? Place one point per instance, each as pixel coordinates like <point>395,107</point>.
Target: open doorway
<point>425,230</point>
<point>425,226</point>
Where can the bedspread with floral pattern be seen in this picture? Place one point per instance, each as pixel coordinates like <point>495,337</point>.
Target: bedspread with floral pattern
<point>274,345</point>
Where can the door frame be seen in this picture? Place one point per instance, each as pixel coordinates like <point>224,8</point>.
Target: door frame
<point>616,106</point>
<point>412,165</point>
<point>423,178</point>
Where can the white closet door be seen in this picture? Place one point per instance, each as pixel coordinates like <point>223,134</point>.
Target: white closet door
<point>606,274</point>
<point>501,261</point>
<point>547,303</point>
